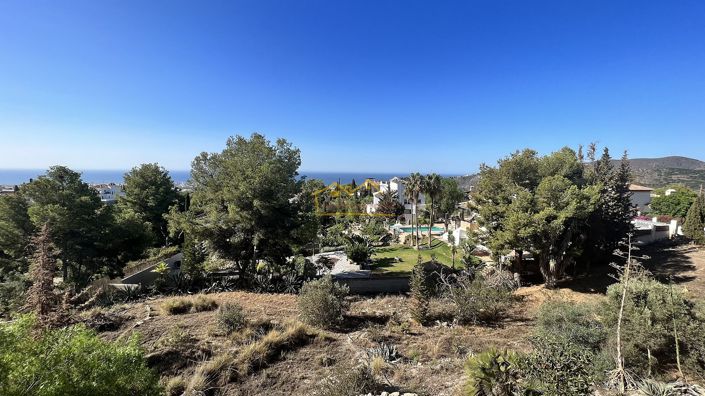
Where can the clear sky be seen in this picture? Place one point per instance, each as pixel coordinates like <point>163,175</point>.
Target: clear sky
<point>356,85</point>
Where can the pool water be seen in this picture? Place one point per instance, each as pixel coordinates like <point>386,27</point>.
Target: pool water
<point>421,229</point>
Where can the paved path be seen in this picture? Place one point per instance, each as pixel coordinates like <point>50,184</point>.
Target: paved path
<point>343,268</point>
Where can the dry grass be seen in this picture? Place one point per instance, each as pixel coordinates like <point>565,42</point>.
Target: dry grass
<point>177,306</point>
<point>228,367</point>
<point>202,303</point>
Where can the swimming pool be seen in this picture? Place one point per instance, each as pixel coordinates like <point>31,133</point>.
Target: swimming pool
<point>421,229</point>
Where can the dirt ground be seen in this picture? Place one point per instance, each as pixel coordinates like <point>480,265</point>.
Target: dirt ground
<point>432,357</point>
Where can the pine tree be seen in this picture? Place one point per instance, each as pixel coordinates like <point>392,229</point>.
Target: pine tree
<point>695,221</point>
<point>420,294</point>
<point>40,296</point>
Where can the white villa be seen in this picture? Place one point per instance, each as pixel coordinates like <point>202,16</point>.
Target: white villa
<point>109,192</point>
<point>396,184</point>
<point>641,196</point>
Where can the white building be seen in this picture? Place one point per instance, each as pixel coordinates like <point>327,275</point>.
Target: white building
<point>109,193</point>
<point>641,197</point>
<point>396,185</point>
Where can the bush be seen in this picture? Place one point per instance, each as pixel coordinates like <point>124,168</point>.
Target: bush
<point>558,367</point>
<point>647,328</point>
<point>420,293</point>
<point>177,306</point>
<point>493,373</point>
<point>349,382</point>
<point>322,302</point>
<point>231,317</point>
<point>474,301</point>
<point>202,303</point>
<point>70,361</point>
<point>571,322</point>
<point>358,250</point>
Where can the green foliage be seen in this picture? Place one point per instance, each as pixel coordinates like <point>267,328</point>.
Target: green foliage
<point>568,321</point>
<point>231,317</point>
<point>676,204</point>
<point>493,373</point>
<point>548,205</point>
<point>474,300</point>
<point>12,295</point>
<point>559,367</point>
<point>450,196</point>
<point>150,192</point>
<point>420,293</point>
<point>70,361</point>
<point>246,203</point>
<point>694,225</point>
<point>93,239</point>
<point>194,257</point>
<point>358,250</point>
<point>15,230</point>
<point>647,327</point>
<point>322,302</point>
<point>389,205</point>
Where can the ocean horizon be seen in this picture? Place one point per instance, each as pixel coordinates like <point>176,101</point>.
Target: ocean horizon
<point>20,176</point>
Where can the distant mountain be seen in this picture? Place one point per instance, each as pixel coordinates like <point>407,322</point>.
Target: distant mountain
<point>660,172</point>
<point>651,172</point>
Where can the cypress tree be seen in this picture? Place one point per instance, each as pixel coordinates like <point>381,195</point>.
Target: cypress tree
<point>420,294</point>
<point>695,221</point>
<point>40,296</point>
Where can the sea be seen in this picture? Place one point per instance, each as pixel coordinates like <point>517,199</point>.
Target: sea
<point>181,177</point>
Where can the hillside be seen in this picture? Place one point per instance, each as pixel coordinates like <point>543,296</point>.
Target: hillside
<point>652,172</point>
<point>659,172</point>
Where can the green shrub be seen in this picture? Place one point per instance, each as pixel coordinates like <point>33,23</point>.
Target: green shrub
<point>202,303</point>
<point>647,328</point>
<point>177,306</point>
<point>70,361</point>
<point>322,302</point>
<point>357,250</point>
<point>420,293</point>
<point>231,317</point>
<point>559,367</point>
<point>475,301</point>
<point>493,373</point>
<point>573,322</point>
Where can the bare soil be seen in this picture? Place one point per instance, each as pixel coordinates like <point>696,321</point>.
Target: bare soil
<point>432,356</point>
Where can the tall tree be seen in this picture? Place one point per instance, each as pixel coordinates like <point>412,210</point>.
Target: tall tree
<point>432,188</point>
<point>450,197</point>
<point>16,229</point>
<point>694,225</point>
<point>150,192</point>
<point>610,222</point>
<point>389,204</point>
<point>40,296</point>
<point>93,239</point>
<point>538,204</point>
<point>244,202</point>
<point>414,185</point>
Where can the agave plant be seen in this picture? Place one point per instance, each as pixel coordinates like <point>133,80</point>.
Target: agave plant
<point>385,351</point>
<point>651,387</point>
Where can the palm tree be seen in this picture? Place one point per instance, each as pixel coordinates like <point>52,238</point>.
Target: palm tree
<point>432,187</point>
<point>413,189</point>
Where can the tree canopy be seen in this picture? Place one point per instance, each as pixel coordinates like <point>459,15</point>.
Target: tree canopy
<point>545,204</point>
<point>247,202</point>
<point>150,192</point>
<point>675,204</point>
<point>694,225</point>
<point>93,239</point>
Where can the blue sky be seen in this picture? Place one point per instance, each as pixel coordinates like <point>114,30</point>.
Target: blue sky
<point>356,85</point>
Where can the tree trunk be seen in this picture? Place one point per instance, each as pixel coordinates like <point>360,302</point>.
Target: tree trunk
<point>519,266</point>
<point>430,223</point>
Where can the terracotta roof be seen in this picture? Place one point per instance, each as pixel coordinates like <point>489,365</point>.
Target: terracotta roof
<point>636,187</point>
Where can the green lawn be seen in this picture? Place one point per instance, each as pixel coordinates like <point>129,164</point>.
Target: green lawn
<point>383,257</point>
